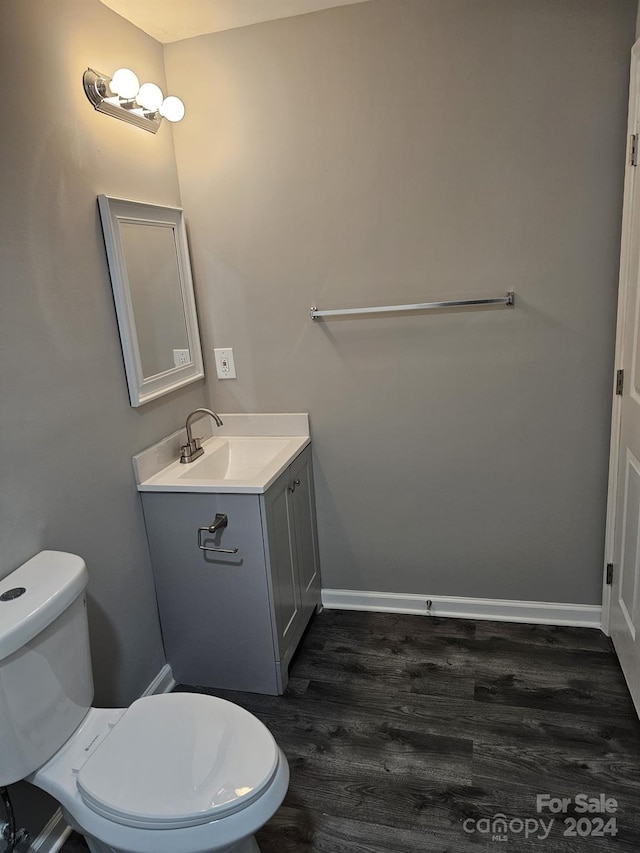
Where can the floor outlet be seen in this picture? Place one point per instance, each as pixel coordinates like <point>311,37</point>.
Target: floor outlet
<point>225,365</point>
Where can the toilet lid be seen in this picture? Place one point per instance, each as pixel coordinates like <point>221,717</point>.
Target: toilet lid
<point>178,760</point>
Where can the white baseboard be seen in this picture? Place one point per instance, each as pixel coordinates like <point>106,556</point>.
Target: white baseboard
<point>162,683</point>
<point>498,610</point>
<point>56,831</point>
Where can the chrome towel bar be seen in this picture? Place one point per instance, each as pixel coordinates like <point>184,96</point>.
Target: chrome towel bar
<point>418,306</point>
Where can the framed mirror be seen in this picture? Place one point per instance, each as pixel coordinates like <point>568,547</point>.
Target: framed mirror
<point>153,293</point>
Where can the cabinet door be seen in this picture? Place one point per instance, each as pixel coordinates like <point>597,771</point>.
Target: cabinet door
<point>282,558</point>
<point>305,529</point>
<point>214,607</point>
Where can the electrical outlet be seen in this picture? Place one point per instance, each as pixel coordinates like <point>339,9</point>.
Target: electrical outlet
<point>181,357</point>
<point>225,365</point>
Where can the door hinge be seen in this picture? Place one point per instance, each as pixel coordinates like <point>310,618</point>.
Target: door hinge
<point>633,150</point>
<point>609,574</point>
<point>619,382</point>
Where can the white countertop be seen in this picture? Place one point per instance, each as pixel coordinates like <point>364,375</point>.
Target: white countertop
<point>233,454</point>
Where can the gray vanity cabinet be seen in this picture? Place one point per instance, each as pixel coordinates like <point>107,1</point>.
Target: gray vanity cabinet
<point>233,621</point>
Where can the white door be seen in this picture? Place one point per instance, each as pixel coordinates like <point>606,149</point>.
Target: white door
<point>623,546</point>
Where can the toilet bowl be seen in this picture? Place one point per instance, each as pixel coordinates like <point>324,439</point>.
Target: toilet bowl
<point>173,773</point>
<point>176,773</point>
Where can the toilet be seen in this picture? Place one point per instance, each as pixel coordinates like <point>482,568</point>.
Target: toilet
<point>173,773</point>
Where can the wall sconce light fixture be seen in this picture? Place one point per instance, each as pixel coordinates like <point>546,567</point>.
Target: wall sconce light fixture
<point>122,96</point>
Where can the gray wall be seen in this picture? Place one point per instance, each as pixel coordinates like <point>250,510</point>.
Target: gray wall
<point>400,151</point>
<point>67,430</point>
<point>389,151</point>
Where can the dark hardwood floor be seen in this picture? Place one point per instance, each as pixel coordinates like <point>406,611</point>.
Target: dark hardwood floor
<point>401,731</point>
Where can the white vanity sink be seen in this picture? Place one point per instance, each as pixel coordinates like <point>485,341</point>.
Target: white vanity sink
<point>233,542</point>
<point>245,455</point>
<point>239,458</point>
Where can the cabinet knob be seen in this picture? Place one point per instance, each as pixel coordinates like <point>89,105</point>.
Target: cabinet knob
<point>294,485</point>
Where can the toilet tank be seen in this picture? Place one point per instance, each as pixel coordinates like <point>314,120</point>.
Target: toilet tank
<point>46,685</point>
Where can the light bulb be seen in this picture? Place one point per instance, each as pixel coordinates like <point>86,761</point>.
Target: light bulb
<point>124,83</point>
<point>150,96</point>
<point>172,108</point>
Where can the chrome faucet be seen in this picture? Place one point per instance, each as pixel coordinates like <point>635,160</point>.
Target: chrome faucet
<point>190,451</point>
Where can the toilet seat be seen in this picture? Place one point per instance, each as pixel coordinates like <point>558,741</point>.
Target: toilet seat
<point>178,760</point>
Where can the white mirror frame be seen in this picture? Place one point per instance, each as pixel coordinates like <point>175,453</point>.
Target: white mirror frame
<point>113,211</point>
